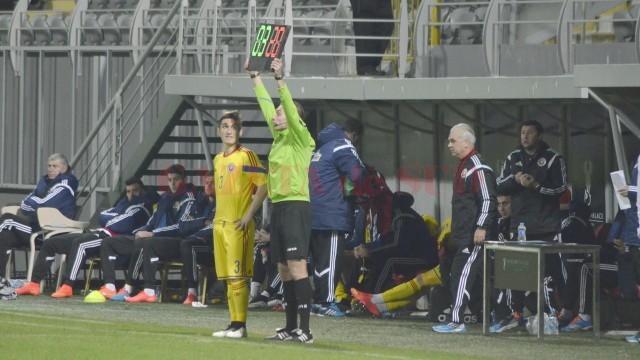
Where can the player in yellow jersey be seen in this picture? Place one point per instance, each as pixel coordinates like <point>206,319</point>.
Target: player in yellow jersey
<point>238,174</point>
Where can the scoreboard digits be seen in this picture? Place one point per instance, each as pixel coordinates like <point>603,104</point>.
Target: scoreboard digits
<point>267,46</point>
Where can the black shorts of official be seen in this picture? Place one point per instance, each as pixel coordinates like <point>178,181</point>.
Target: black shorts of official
<point>290,231</point>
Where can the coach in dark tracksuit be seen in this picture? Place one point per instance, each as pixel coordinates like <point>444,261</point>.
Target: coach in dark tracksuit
<point>535,176</point>
<point>334,163</point>
<point>473,213</point>
<point>131,212</point>
<point>56,189</point>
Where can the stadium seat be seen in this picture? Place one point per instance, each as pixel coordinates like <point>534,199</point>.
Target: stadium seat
<point>100,3</point>
<point>164,267</point>
<point>118,3</point>
<point>10,209</point>
<point>58,27</point>
<point>121,263</point>
<point>110,30</point>
<point>625,26</point>
<point>124,24</point>
<point>5,23</point>
<point>26,33</point>
<point>464,33</point>
<point>92,34</point>
<point>156,22</point>
<point>52,223</point>
<point>41,32</point>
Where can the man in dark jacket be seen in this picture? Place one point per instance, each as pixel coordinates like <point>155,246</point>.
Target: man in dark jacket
<point>409,249</point>
<point>131,212</point>
<point>335,167</point>
<point>199,232</point>
<point>174,205</point>
<point>473,207</point>
<point>536,177</point>
<point>57,189</point>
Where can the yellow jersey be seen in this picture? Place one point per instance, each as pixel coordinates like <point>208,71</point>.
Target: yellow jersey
<point>236,177</point>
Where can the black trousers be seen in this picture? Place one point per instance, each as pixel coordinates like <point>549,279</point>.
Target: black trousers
<point>327,248</point>
<point>76,246</point>
<point>122,245</point>
<point>156,249</point>
<point>15,231</point>
<point>466,269</point>
<point>194,251</point>
<point>373,9</point>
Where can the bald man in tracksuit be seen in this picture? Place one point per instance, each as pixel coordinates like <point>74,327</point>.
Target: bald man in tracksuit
<point>473,213</point>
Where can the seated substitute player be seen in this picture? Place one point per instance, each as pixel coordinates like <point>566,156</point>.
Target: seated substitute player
<point>198,228</point>
<point>612,257</point>
<point>131,212</point>
<point>176,204</point>
<point>238,174</point>
<point>409,245</point>
<point>264,269</point>
<point>197,248</point>
<point>56,189</point>
<point>407,248</point>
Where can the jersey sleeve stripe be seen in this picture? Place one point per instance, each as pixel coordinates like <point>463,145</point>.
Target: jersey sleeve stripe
<point>254,169</point>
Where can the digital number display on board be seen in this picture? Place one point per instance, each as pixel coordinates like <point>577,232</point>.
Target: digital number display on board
<point>269,43</point>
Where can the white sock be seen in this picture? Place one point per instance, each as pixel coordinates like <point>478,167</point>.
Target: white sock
<point>111,287</point>
<point>585,317</point>
<point>149,292</point>
<point>377,299</point>
<point>128,288</point>
<point>255,289</point>
<point>192,291</point>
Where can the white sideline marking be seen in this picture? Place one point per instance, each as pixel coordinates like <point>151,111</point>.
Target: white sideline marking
<point>193,337</point>
<point>62,318</point>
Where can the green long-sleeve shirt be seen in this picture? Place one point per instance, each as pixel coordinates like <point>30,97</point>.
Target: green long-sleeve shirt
<point>291,150</point>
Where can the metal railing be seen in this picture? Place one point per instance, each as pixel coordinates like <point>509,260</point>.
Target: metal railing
<point>121,116</point>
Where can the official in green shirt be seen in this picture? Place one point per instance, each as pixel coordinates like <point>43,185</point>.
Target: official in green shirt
<point>288,184</point>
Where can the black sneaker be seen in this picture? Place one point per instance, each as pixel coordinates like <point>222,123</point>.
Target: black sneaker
<point>282,334</point>
<point>300,336</point>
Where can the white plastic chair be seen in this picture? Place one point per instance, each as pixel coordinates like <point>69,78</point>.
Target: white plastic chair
<point>52,223</point>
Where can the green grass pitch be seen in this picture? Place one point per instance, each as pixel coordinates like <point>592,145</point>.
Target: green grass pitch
<point>45,328</point>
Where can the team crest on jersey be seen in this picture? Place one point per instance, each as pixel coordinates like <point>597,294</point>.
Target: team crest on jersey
<point>231,167</point>
<point>464,173</point>
<point>542,162</point>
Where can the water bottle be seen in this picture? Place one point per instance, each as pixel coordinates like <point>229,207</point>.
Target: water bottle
<point>157,293</point>
<point>522,232</point>
<point>389,314</point>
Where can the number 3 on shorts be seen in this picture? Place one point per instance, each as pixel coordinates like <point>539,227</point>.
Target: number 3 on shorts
<point>237,269</point>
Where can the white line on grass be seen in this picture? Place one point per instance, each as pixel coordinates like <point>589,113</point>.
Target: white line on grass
<point>63,318</point>
<point>200,339</point>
